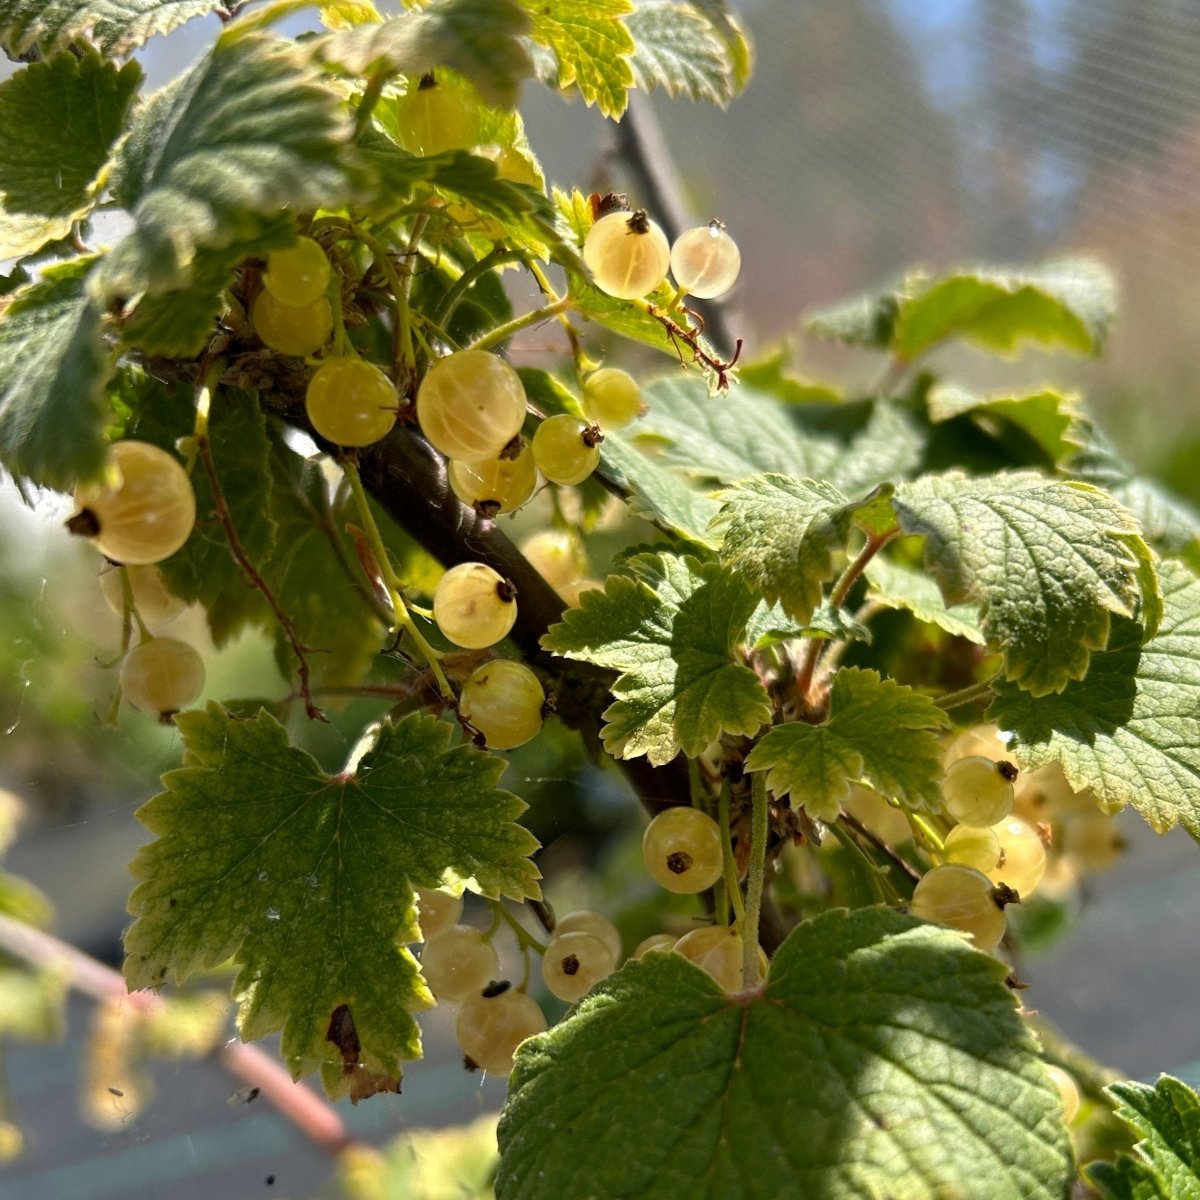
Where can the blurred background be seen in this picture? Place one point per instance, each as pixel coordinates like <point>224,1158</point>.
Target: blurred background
<point>875,135</point>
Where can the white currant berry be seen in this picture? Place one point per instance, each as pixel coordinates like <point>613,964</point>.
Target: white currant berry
<point>145,509</point>
<point>978,791</point>
<point>351,402</point>
<point>556,556</point>
<point>437,911</point>
<point>584,920</point>
<point>470,405</point>
<point>296,330</point>
<point>964,899</point>
<point>474,606</point>
<point>156,604</point>
<point>627,254</point>
<point>162,675</point>
<point>503,699</point>
<point>458,963</point>
<point>717,950</point>
<point>574,963</point>
<point>493,1023</point>
<point>611,398</point>
<point>298,274</point>
<point>682,850</point>
<point>655,943</point>
<point>1022,856</point>
<point>705,261</point>
<point>498,485</point>
<point>566,449</point>
<point>972,846</point>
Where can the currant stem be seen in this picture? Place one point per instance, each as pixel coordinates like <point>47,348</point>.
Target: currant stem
<point>402,618</point>
<point>760,825</point>
<point>307,1111</point>
<point>849,577</point>
<point>525,939</point>
<point>967,695</point>
<point>871,870</point>
<point>728,866</point>
<point>503,332</point>
<point>459,288</point>
<point>906,869</point>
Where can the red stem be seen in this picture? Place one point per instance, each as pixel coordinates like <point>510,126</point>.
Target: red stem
<point>299,1104</point>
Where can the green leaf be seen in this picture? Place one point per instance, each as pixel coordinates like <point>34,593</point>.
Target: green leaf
<point>480,39</point>
<point>679,51</point>
<point>656,493</point>
<point>1068,303</point>
<point>1050,418</point>
<point>671,627</point>
<point>896,586</point>
<point>591,46</point>
<point>884,1058</point>
<point>769,626</point>
<point>878,732</point>
<point>246,132</point>
<point>1048,562</point>
<point>1171,525</point>
<point>737,42</point>
<point>772,376</point>
<point>53,369</point>
<point>1129,731</point>
<point>1166,1117</point>
<point>743,432</point>
<point>60,119</point>
<point>305,879</point>
<point>115,28</point>
<point>780,535</point>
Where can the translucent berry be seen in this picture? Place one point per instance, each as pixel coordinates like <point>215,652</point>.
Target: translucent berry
<point>963,899</point>
<point>503,699</point>
<point>458,963</point>
<point>297,275</point>
<point>162,675</point>
<point>145,509</point>
<point>978,791</point>
<point>682,850</point>
<point>291,329</point>
<point>717,950</point>
<point>574,963</point>
<point>611,398</point>
<point>627,254</point>
<point>498,485</point>
<point>437,911</point>
<point>972,846</point>
<point>155,603</point>
<point>705,261</point>
<point>470,405</point>
<point>474,606</point>
<point>566,449</point>
<point>493,1023</point>
<point>584,920</point>
<point>351,402</point>
<point>1022,856</point>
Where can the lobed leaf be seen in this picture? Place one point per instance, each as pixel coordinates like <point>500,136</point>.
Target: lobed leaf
<point>1130,731</point>
<point>591,46</point>
<point>1049,563</point>
<point>1166,1117</point>
<point>305,880</point>
<point>780,534</point>
<point>1051,419</point>
<point>116,26</point>
<point>60,120</point>
<point>1068,303</point>
<point>53,369</point>
<point>884,1057</point>
<point>877,732</point>
<point>671,626</point>
<point>897,586</point>
<point>679,51</point>
<point>249,130</point>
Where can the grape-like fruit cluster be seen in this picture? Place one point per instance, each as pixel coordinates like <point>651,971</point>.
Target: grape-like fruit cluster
<point>145,509</point>
<point>503,700</point>
<point>351,402</point>
<point>470,405</point>
<point>474,606</point>
<point>682,850</point>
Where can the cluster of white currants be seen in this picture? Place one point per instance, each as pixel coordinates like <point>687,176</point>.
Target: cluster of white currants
<point>139,514</point>
<point>683,851</point>
<point>629,256</point>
